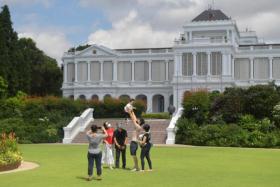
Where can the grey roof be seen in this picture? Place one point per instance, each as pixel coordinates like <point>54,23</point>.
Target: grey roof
<point>211,15</point>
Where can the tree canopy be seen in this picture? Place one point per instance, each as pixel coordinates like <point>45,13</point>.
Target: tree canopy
<point>23,66</point>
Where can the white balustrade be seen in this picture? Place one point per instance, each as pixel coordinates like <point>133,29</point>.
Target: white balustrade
<point>171,129</point>
<point>78,124</point>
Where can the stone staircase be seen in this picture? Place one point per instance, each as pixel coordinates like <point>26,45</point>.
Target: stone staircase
<point>158,129</point>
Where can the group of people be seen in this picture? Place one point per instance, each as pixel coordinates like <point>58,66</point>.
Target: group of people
<point>141,136</point>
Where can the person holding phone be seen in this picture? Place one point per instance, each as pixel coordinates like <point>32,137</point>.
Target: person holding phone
<point>95,139</point>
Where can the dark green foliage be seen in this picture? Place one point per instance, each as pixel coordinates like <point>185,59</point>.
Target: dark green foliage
<point>238,117</point>
<point>79,48</point>
<point>3,88</point>
<point>224,135</point>
<point>260,100</point>
<point>41,120</point>
<point>230,105</point>
<point>196,106</point>
<point>162,115</point>
<point>23,65</point>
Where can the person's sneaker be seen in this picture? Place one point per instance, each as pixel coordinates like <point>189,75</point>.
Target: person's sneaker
<point>89,178</point>
<point>98,178</point>
<point>149,170</point>
<point>111,168</point>
<point>142,170</point>
<point>134,169</point>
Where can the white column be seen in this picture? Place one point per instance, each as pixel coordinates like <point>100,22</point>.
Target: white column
<point>150,70</point>
<point>190,36</point>
<point>101,71</point>
<point>208,63</point>
<point>227,36</point>
<point>232,37</point>
<point>76,71</point>
<point>115,70</point>
<point>166,70</point>
<point>232,68</point>
<point>65,71</point>
<point>251,68</point>
<point>224,64</point>
<point>270,68</point>
<point>178,64</point>
<point>88,74</point>
<point>194,63</point>
<point>133,71</point>
<point>166,103</point>
<point>149,103</point>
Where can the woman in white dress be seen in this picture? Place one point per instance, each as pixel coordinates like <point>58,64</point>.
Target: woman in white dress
<point>107,155</point>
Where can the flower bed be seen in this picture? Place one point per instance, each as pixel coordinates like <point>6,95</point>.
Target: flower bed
<point>10,166</point>
<point>10,157</point>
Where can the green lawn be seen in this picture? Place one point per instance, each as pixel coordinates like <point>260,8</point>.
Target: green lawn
<point>66,165</point>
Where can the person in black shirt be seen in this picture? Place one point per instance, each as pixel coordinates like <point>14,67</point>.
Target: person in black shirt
<point>146,147</point>
<point>120,139</point>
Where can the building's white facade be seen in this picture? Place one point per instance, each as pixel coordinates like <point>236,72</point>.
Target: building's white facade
<point>210,54</point>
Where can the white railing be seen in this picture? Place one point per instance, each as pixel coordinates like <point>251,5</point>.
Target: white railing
<point>171,129</point>
<point>78,124</point>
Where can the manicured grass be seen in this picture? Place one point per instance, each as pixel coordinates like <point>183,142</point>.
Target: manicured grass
<point>66,165</point>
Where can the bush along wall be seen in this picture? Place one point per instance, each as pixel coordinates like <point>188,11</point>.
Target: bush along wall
<point>238,117</point>
<point>41,119</point>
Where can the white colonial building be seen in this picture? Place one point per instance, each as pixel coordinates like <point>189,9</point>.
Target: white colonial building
<point>211,54</point>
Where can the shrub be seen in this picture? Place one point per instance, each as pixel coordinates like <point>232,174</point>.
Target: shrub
<point>230,105</point>
<point>163,115</point>
<point>260,100</point>
<point>276,115</point>
<point>196,106</point>
<point>187,132</point>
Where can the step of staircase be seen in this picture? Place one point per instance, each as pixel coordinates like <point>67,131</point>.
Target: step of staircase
<point>158,129</point>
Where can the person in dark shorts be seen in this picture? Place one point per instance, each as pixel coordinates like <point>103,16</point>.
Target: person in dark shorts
<point>134,138</point>
<point>120,139</point>
<point>145,145</point>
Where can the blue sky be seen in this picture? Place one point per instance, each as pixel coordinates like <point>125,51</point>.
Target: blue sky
<point>76,21</point>
<point>57,25</point>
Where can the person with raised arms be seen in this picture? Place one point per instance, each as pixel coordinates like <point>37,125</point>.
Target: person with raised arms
<point>135,133</point>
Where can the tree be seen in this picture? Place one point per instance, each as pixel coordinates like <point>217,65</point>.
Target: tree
<point>23,65</point>
<point>11,52</point>
<point>3,88</point>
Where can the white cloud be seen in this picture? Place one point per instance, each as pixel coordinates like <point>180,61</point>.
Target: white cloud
<point>45,3</point>
<point>168,16</point>
<point>52,43</point>
<point>130,32</point>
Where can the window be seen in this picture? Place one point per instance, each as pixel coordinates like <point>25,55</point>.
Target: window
<point>158,70</point>
<point>201,64</point>
<point>141,72</point>
<point>95,71</point>
<point>187,64</point>
<point>107,71</point>
<point>261,68</point>
<point>216,63</point>
<point>242,69</point>
<point>276,68</point>
<point>170,70</point>
<point>70,72</point>
<point>82,71</point>
<point>124,71</point>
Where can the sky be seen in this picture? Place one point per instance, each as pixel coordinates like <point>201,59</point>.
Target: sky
<point>57,25</point>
